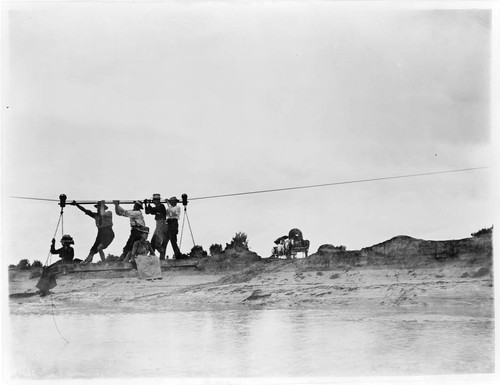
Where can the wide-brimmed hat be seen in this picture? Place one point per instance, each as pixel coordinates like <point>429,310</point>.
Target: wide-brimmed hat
<point>174,199</point>
<point>138,203</point>
<point>144,229</point>
<point>156,197</point>
<point>67,239</point>
<point>101,203</point>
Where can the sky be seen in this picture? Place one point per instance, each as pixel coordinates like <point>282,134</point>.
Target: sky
<point>120,100</point>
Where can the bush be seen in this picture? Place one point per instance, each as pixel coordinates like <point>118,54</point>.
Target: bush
<point>24,264</point>
<point>36,263</point>
<point>215,249</point>
<point>239,241</point>
<point>483,231</point>
<point>110,258</point>
<point>331,249</point>
<point>197,252</point>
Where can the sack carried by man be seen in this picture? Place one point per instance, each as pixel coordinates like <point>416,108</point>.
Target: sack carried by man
<point>148,266</point>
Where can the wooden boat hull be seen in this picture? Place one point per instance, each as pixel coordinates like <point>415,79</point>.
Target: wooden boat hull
<point>124,266</point>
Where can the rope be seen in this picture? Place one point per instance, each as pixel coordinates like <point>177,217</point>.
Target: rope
<point>189,224</point>
<point>335,183</point>
<point>55,233</point>
<point>60,221</point>
<point>55,323</point>
<point>182,228</point>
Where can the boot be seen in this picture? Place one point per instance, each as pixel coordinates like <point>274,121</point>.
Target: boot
<point>122,257</point>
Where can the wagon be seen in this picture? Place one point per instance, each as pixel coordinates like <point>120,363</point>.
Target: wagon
<point>291,246</point>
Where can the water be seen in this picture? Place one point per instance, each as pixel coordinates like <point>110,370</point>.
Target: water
<point>250,343</point>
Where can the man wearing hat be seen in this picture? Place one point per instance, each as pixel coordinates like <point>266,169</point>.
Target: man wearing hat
<point>144,259</point>
<point>66,252</point>
<point>47,280</point>
<point>160,234</point>
<point>173,214</point>
<point>136,223</point>
<point>105,235</point>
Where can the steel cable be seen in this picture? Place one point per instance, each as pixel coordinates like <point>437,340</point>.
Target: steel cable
<point>335,183</point>
<point>84,202</point>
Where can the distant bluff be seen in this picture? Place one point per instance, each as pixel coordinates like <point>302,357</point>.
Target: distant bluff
<point>407,252</point>
<point>399,252</point>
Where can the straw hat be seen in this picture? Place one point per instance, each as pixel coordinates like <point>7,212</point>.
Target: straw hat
<point>103,204</point>
<point>144,229</point>
<point>67,239</point>
<point>174,199</point>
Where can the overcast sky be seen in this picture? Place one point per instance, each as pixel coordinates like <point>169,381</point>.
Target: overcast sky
<point>123,100</point>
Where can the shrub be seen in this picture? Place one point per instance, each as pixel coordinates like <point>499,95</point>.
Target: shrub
<point>36,263</point>
<point>215,249</point>
<point>331,249</point>
<point>197,252</point>
<point>239,241</point>
<point>110,258</point>
<point>24,264</point>
<point>483,231</point>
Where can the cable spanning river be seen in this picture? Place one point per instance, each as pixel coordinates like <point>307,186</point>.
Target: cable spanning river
<point>251,343</point>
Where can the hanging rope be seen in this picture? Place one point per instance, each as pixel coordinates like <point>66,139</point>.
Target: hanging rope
<point>182,228</point>
<point>55,233</point>
<point>54,318</point>
<point>62,224</point>
<point>60,221</point>
<point>190,230</point>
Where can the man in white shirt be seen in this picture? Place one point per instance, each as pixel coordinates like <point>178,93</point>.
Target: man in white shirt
<point>160,234</point>
<point>136,223</point>
<point>173,214</point>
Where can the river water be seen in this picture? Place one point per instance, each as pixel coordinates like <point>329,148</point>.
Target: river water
<point>249,343</point>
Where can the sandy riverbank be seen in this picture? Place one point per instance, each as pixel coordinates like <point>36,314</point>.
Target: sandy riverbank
<point>401,272</point>
<point>278,284</point>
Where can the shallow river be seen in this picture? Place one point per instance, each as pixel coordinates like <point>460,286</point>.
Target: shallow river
<point>249,343</point>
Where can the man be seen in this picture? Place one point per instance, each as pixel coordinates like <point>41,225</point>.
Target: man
<point>105,235</point>
<point>173,214</point>
<point>144,259</point>
<point>160,234</point>
<point>136,223</point>
<point>66,252</point>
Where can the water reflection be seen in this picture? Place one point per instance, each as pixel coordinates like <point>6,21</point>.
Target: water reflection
<point>249,343</point>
